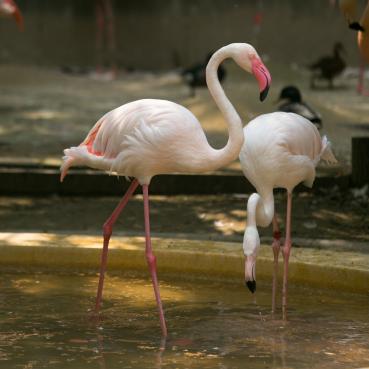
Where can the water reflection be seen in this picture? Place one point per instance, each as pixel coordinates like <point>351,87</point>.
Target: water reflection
<point>211,325</point>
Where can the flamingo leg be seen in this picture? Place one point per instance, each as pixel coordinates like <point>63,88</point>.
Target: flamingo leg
<point>286,255</point>
<point>276,247</point>
<point>151,259</point>
<point>107,231</point>
<point>100,24</point>
<point>110,35</point>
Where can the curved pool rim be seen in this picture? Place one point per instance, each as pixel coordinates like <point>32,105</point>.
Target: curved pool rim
<point>332,268</point>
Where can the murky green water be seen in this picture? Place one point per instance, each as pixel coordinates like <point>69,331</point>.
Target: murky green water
<point>44,323</point>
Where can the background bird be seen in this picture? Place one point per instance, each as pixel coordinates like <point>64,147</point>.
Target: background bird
<point>280,150</point>
<point>195,76</point>
<point>9,9</point>
<point>348,9</point>
<point>328,67</point>
<point>292,102</point>
<point>149,137</point>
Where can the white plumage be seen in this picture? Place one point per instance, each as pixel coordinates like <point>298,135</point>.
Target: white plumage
<point>149,137</point>
<point>280,151</point>
<point>144,138</point>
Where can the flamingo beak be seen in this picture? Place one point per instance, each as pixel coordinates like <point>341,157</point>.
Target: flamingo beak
<point>250,273</point>
<point>356,26</point>
<point>262,75</point>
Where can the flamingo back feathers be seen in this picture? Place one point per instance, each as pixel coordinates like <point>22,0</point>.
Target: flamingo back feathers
<point>282,150</point>
<point>141,139</point>
<point>75,155</point>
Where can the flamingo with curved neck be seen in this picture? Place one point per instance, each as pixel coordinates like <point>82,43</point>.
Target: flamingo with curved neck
<point>148,137</point>
<point>280,151</point>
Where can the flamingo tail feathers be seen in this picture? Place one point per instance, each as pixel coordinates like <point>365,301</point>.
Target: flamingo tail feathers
<point>326,153</point>
<point>82,154</point>
<point>67,163</point>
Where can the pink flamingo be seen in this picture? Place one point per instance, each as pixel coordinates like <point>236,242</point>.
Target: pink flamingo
<point>9,8</point>
<point>280,150</point>
<point>148,137</point>
<point>348,9</point>
<point>105,29</point>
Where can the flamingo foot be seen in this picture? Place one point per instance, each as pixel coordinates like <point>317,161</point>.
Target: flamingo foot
<point>151,260</point>
<point>107,232</point>
<point>286,256</point>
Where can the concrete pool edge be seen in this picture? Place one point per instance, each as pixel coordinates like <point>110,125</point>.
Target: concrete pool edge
<point>32,181</point>
<point>321,268</point>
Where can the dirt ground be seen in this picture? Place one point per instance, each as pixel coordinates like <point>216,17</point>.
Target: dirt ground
<point>332,215</point>
<point>43,111</point>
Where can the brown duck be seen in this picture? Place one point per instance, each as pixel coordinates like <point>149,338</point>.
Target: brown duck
<point>328,67</point>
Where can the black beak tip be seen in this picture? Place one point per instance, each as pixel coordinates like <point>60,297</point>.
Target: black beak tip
<point>264,93</point>
<point>251,285</point>
<point>356,26</point>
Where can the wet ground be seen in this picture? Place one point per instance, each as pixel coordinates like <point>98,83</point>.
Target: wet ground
<point>42,111</point>
<point>45,324</point>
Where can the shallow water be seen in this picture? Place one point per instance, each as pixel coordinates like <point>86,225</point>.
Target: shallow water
<point>44,323</point>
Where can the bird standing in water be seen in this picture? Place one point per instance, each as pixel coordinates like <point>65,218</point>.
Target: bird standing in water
<point>148,137</point>
<point>9,9</point>
<point>280,151</point>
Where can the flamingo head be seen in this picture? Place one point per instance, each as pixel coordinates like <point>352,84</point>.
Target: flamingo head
<point>9,8</point>
<point>248,59</point>
<point>251,243</point>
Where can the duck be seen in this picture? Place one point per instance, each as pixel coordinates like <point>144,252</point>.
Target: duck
<point>328,67</point>
<point>195,76</point>
<point>292,102</point>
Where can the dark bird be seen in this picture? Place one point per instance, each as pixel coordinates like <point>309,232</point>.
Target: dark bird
<point>292,102</point>
<point>328,67</point>
<point>195,76</point>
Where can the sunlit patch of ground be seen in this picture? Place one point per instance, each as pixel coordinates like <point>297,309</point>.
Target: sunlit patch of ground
<point>332,215</point>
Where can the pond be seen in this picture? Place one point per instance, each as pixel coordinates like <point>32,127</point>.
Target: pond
<point>46,323</point>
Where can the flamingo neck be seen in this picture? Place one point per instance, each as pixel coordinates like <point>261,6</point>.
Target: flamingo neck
<point>260,209</point>
<point>232,149</point>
